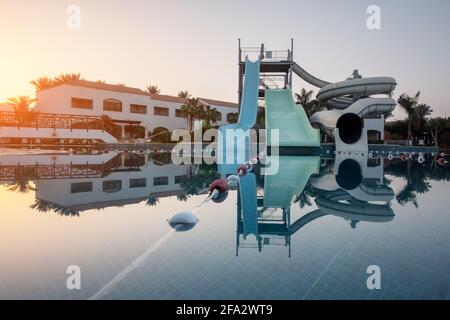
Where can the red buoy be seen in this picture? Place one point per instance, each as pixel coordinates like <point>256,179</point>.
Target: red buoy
<point>219,184</point>
<point>242,170</point>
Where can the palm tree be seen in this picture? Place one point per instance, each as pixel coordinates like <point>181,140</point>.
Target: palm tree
<point>233,117</point>
<point>436,126</point>
<point>211,116</point>
<point>409,104</point>
<point>67,77</point>
<point>100,81</point>
<point>42,83</point>
<point>193,110</point>
<point>312,107</point>
<point>152,89</point>
<point>183,94</point>
<point>304,97</point>
<point>21,104</point>
<point>421,112</point>
<point>260,118</point>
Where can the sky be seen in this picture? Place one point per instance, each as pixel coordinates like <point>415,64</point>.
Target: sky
<point>192,45</point>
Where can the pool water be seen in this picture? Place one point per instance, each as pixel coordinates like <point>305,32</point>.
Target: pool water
<point>310,231</point>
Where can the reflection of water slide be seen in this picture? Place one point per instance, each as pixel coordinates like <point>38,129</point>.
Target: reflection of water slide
<point>343,204</point>
<point>351,176</point>
<point>352,100</point>
<point>248,204</point>
<point>289,181</point>
<point>283,114</point>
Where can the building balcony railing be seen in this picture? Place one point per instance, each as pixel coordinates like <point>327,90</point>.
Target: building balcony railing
<point>58,121</point>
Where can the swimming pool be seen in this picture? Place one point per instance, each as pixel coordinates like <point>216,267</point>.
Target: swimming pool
<point>311,231</point>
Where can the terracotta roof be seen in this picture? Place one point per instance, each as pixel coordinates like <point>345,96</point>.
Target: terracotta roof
<point>162,97</point>
<point>219,103</point>
<point>104,86</point>
<point>124,89</point>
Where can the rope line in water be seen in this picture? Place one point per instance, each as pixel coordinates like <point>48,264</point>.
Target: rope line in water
<point>136,263</point>
<point>217,188</point>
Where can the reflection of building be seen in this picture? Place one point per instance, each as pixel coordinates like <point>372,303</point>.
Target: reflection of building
<point>358,194</point>
<point>134,110</point>
<point>83,182</point>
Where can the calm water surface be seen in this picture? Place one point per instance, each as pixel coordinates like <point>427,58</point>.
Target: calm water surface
<point>308,232</point>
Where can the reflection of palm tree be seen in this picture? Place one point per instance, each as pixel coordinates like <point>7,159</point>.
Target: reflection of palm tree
<point>182,197</point>
<point>21,186</point>
<point>200,180</point>
<point>152,201</point>
<point>22,183</point>
<point>42,205</point>
<point>407,195</point>
<point>47,206</point>
<point>417,180</point>
<point>304,198</point>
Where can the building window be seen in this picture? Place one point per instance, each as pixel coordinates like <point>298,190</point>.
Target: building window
<point>80,187</point>
<point>81,103</point>
<point>180,179</point>
<point>160,181</point>
<point>161,111</point>
<point>112,186</point>
<point>180,113</point>
<point>112,105</point>
<point>219,116</point>
<point>138,183</point>
<point>138,108</point>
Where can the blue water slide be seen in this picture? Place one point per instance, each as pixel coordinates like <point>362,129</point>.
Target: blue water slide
<point>249,207</point>
<point>228,142</point>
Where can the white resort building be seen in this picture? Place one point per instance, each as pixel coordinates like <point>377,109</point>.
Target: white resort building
<point>75,110</point>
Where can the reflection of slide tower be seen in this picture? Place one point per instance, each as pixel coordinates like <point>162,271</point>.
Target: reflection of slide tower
<point>352,191</point>
<point>352,109</point>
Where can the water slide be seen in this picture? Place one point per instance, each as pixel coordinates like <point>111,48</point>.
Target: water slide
<point>249,102</point>
<point>231,139</point>
<point>283,114</point>
<point>348,111</point>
